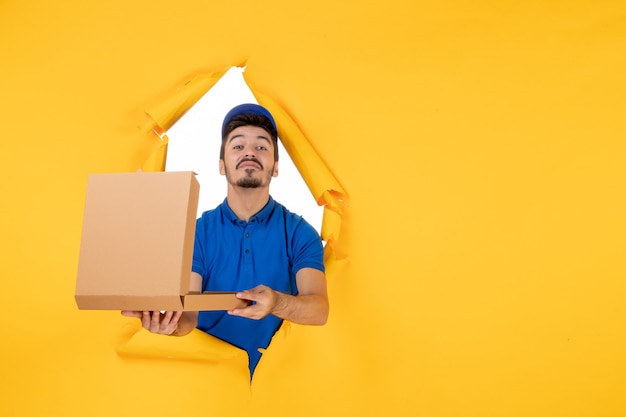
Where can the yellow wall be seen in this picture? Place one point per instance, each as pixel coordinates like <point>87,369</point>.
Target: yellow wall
<point>482,145</point>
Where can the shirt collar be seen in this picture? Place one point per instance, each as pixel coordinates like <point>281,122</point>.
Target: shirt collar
<point>260,217</point>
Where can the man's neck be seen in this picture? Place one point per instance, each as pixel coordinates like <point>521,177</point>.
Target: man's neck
<point>246,202</point>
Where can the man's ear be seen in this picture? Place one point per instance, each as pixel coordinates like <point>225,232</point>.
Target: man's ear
<point>222,170</point>
<point>275,172</point>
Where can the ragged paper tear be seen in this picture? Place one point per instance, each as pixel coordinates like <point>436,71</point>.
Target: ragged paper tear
<point>167,112</point>
<point>156,160</point>
<point>320,181</point>
<point>133,340</point>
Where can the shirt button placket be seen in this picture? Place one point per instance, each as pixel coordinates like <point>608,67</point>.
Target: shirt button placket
<point>246,246</point>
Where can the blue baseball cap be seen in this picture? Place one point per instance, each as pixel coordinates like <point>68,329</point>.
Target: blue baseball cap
<point>248,108</point>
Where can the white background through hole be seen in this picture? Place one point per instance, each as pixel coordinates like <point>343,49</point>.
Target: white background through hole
<point>194,145</point>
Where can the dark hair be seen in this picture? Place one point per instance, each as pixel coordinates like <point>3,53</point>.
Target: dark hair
<point>255,120</point>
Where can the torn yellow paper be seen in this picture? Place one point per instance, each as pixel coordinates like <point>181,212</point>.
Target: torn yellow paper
<point>156,160</point>
<point>313,170</point>
<point>331,225</point>
<point>197,345</point>
<point>167,112</point>
<point>320,181</point>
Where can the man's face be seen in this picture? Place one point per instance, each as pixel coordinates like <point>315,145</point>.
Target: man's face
<point>249,158</point>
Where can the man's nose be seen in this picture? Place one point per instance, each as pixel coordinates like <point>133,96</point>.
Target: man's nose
<point>249,151</point>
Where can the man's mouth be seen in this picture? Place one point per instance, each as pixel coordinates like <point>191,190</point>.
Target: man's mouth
<point>249,163</point>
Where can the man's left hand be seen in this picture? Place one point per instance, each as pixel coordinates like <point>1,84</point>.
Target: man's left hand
<point>264,302</point>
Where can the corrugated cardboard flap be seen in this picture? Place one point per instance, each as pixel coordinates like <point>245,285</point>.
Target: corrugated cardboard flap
<point>213,301</point>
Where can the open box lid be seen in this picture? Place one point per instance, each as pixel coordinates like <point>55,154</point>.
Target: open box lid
<point>137,241</point>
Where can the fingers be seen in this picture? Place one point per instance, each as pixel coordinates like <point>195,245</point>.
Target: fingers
<point>146,320</point>
<point>157,322</point>
<point>177,316</point>
<point>264,301</point>
<point>252,312</point>
<point>257,293</point>
<point>169,322</point>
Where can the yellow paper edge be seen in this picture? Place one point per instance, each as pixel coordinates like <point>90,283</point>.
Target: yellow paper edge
<point>321,183</point>
<point>133,340</point>
<point>165,113</point>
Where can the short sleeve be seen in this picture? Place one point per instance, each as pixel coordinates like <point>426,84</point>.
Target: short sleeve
<point>307,248</point>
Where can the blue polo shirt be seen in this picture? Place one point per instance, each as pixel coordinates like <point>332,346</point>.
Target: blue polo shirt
<point>234,255</point>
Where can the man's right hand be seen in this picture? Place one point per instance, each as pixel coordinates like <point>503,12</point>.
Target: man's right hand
<point>156,322</point>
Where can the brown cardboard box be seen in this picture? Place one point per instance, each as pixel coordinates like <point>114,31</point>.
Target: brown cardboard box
<point>137,244</point>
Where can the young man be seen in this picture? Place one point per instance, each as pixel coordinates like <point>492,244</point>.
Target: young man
<point>253,245</point>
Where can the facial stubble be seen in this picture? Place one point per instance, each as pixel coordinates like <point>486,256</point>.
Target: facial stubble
<point>248,181</point>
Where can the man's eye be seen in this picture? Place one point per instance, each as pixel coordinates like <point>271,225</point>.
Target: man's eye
<point>261,148</point>
<point>237,147</point>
